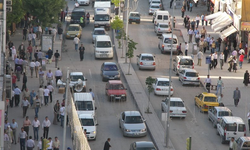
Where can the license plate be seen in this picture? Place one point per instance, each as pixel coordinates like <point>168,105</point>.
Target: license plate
<point>111,78</point>
<point>104,55</point>
<point>72,36</point>
<point>193,79</point>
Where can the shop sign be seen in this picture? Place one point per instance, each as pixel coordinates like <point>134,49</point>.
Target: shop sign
<point>245,26</point>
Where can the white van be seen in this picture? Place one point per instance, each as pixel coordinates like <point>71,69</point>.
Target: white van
<point>165,43</point>
<point>88,122</point>
<point>84,103</point>
<point>230,126</point>
<point>160,17</point>
<point>103,47</point>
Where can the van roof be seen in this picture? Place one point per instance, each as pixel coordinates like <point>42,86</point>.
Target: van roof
<point>222,109</point>
<point>161,12</point>
<point>103,38</point>
<point>169,36</point>
<point>162,79</point>
<point>184,57</point>
<point>233,119</point>
<point>83,97</point>
<point>147,54</point>
<point>85,115</point>
<point>76,73</point>
<point>78,10</point>
<point>132,113</point>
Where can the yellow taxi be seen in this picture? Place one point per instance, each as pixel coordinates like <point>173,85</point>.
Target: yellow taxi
<point>74,30</point>
<point>206,101</point>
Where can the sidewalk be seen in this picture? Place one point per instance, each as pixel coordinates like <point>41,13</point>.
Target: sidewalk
<point>33,84</point>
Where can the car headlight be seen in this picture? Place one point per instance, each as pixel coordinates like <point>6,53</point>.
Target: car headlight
<point>143,130</point>
<point>93,132</point>
<point>126,130</point>
<point>123,95</point>
<point>112,95</point>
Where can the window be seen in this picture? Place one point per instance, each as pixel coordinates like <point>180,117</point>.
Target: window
<point>84,105</point>
<point>159,17</point>
<point>176,104</point>
<point>99,32</point>
<point>73,28</point>
<point>165,17</point>
<point>232,127</point>
<point>110,68</point>
<point>210,99</point>
<point>133,119</point>
<point>78,14</point>
<point>163,83</point>
<point>224,113</point>
<point>246,145</point>
<point>155,6</point>
<point>75,77</point>
<point>134,15</point>
<point>241,127</point>
<point>163,26</point>
<point>87,122</point>
<point>116,87</point>
<point>192,74</point>
<point>147,58</point>
<point>101,18</point>
<point>103,44</point>
<point>186,62</point>
<point>168,40</point>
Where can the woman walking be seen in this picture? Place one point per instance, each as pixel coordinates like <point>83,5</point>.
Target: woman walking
<point>246,78</point>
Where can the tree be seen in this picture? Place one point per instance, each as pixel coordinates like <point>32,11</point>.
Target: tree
<point>149,82</point>
<point>17,12</point>
<point>46,11</point>
<point>117,25</point>
<point>130,53</point>
<point>116,2</point>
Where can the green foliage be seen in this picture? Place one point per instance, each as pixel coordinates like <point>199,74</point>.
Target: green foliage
<point>149,82</point>
<point>45,10</point>
<point>121,36</point>
<point>131,48</point>
<point>116,2</point>
<point>117,23</point>
<point>17,12</point>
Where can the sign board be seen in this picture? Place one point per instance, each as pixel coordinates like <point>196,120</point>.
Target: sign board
<point>164,116</point>
<point>47,42</point>
<point>8,2</point>
<point>9,8</point>
<point>208,60</point>
<point>245,26</point>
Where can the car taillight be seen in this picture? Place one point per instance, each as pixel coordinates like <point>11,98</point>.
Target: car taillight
<point>184,77</point>
<point>141,63</point>
<point>178,65</point>
<point>225,131</point>
<point>162,46</point>
<point>172,89</point>
<point>154,63</point>
<point>159,29</point>
<point>205,106</point>
<point>193,66</point>
<point>244,131</point>
<point>171,111</point>
<point>184,111</point>
<point>198,78</point>
<point>158,89</point>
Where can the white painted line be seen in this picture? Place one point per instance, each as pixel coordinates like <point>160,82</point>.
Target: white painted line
<point>90,73</point>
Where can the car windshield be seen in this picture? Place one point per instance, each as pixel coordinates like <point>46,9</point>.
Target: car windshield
<point>133,119</point>
<point>232,127</point>
<point>87,122</point>
<point>186,62</point>
<point>116,87</point>
<point>168,40</point>
<point>75,77</point>
<point>78,14</point>
<point>145,148</point>
<point>134,15</point>
<point>191,74</point>
<point>224,113</point>
<point>101,18</point>
<point>210,99</point>
<point>156,2</point>
<point>73,28</point>
<point>110,68</point>
<point>241,127</point>
<point>176,104</point>
<point>155,6</point>
<point>84,105</point>
<point>103,44</point>
<point>246,145</point>
<point>163,26</point>
<point>163,83</point>
<point>99,32</point>
<point>147,58</point>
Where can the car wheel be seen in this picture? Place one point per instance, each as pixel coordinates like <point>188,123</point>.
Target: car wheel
<point>209,118</point>
<point>119,124</point>
<point>217,132</point>
<point>214,124</point>
<point>222,139</point>
<point>103,79</point>
<point>201,110</point>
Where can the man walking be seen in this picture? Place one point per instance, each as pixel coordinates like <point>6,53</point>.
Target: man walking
<point>236,96</point>
<point>232,144</point>
<point>36,125</point>
<point>49,77</point>
<point>17,92</point>
<point>221,60</point>
<point>199,56</point>
<point>30,144</point>
<point>58,75</point>
<point>208,83</point>
<point>51,90</point>
<point>56,112</point>
<point>56,56</point>
<point>40,94</point>
<point>190,34</point>
<point>54,31</point>
<point>26,124</point>
<point>24,81</point>
<point>215,56</point>
<point>81,51</point>
<point>41,74</point>
<point>76,42</point>
<point>46,124</point>
<point>46,95</point>
<point>220,84</point>
<point>37,106</point>
<point>56,144</point>
<point>37,65</point>
<point>62,111</point>
<point>21,138</point>
<point>25,105</point>
<point>107,145</point>
<point>14,127</point>
<point>50,54</point>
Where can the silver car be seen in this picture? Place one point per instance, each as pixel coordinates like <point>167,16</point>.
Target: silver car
<point>216,113</point>
<point>162,28</point>
<point>153,7</point>
<point>132,124</point>
<point>146,61</point>
<point>189,76</point>
<point>97,31</point>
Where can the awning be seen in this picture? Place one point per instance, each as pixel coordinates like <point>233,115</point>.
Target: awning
<point>222,24</point>
<point>230,30</point>
<point>213,16</point>
<point>223,16</point>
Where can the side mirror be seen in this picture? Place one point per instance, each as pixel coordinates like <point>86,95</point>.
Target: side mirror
<point>95,108</point>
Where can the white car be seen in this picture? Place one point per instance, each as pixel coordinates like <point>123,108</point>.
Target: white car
<point>189,76</point>
<point>146,61</point>
<point>155,2</point>
<point>83,2</point>
<point>75,83</point>
<point>98,31</point>
<point>161,87</point>
<point>177,107</point>
<point>89,123</point>
<point>162,28</point>
<point>153,8</point>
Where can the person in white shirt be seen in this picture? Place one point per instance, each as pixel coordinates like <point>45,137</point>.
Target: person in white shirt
<point>33,39</point>
<point>215,59</point>
<point>51,89</point>
<point>186,48</point>
<point>49,77</point>
<point>36,125</point>
<point>46,95</point>
<point>76,42</point>
<point>208,83</point>
<point>29,37</point>
<point>7,142</point>
<point>39,145</point>
<point>221,60</point>
<point>37,67</point>
<point>197,18</point>
<point>25,105</point>
<point>62,111</point>
<point>58,75</point>
<point>30,144</point>
<point>50,144</point>
<point>54,31</point>
<point>46,124</point>
<point>39,32</point>
<point>40,93</point>
<point>212,61</point>
<point>199,56</point>
<point>76,5</point>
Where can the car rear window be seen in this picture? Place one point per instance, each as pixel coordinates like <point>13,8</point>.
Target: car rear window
<point>210,99</point>
<point>99,32</point>
<point>224,113</point>
<point>147,58</point>
<point>241,127</point>
<point>191,74</point>
<point>155,6</point>
<point>168,40</point>
<point>133,119</point>
<point>231,127</point>
<point>163,26</point>
<point>134,15</point>
<point>163,83</point>
<point>159,17</point>
<point>176,104</point>
<point>116,87</point>
<point>165,17</point>
<point>186,62</point>
<point>110,68</point>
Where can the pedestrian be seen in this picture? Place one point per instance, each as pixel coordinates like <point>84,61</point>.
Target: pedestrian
<point>51,90</point>
<point>46,124</point>
<point>60,32</point>
<point>226,52</point>
<point>14,127</point>
<point>38,64</point>
<point>208,83</point>
<point>17,92</point>
<point>14,78</point>
<point>40,56</point>
<point>92,93</point>
<point>21,50</point>
<point>241,58</point>
<point>40,94</point>
<point>26,124</point>
<point>77,40</point>
<point>39,145</point>
<point>50,144</point>
<point>179,52</point>
<point>10,134</point>
<point>81,52</point>
<point>41,74</point>
<point>46,95</point>
<point>24,81</point>
<point>215,55</point>
<point>12,98</point>
<point>39,32</point>
<point>199,56</point>
<point>32,97</point>
<point>36,125</point>
<point>184,4</point>
<point>213,46</point>
<point>13,52</point>
<point>230,63</point>
<point>30,37</point>
<point>107,144</point>
<point>211,61</point>
<point>236,96</point>
<point>33,39</point>
<point>26,95</point>
<point>37,105</point>
<point>36,55</point>
<point>185,21</point>
<point>49,77</point>
<point>188,25</point>
<point>6,124</point>
<point>182,11</point>
<point>56,144</point>
<point>25,64</point>
<point>18,72</point>
<point>50,54</point>
<point>221,60</point>
<point>188,5</point>
<point>206,19</point>
<point>202,19</point>
<point>87,17</point>
<point>186,48</point>
<point>62,111</point>
<point>56,112</point>
<point>56,56</point>
<point>54,32</point>
<point>191,6</point>
<point>10,45</point>
<point>30,144</point>
<point>22,138</point>
<point>190,35</point>
<point>58,75</point>
<point>197,19</point>
<point>248,118</point>
<point>193,24</point>
<point>234,64</point>
<point>171,2</point>
<point>203,32</point>
<point>220,84</point>
<point>197,38</point>
<point>211,40</point>
<point>232,144</point>
<point>246,78</point>
<point>6,141</point>
<point>217,45</point>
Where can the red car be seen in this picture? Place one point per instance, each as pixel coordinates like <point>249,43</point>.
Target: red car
<point>115,90</point>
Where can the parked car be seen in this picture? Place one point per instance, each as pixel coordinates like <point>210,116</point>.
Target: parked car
<point>182,62</point>
<point>146,61</point>
<point>162,28</point>
<point>83,2</point>
<point>142,145</point>
<point>97,31</point>
<point>77,81</point>
<point>177,107</point>
<point>132,124</point>
<point>115,90</point>
<point>88,122</point>
<point>206,101</point>
<point>134,17</point>
<point>153,8</point>
<point>165,43</point>
<point>230,126</point>
<point>243,143</point>
<point>110,71</point>
<point>189,76</point>
<point>215,114</point>
<point>74,30</point>
<point>161,87</point>
<point>155,2</point>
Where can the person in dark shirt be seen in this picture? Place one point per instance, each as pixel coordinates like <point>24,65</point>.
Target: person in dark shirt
<point>56,56</point>
<point>107,144</point>
<point>81,51</point>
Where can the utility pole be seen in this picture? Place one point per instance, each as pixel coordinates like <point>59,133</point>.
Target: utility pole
<point>126,58</point>
<point>66,109</point>
<point>170,82</point>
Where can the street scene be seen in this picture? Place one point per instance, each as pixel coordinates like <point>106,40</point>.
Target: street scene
<point>116,94</point>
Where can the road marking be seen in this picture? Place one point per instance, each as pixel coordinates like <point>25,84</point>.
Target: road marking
<point>90,73</point>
